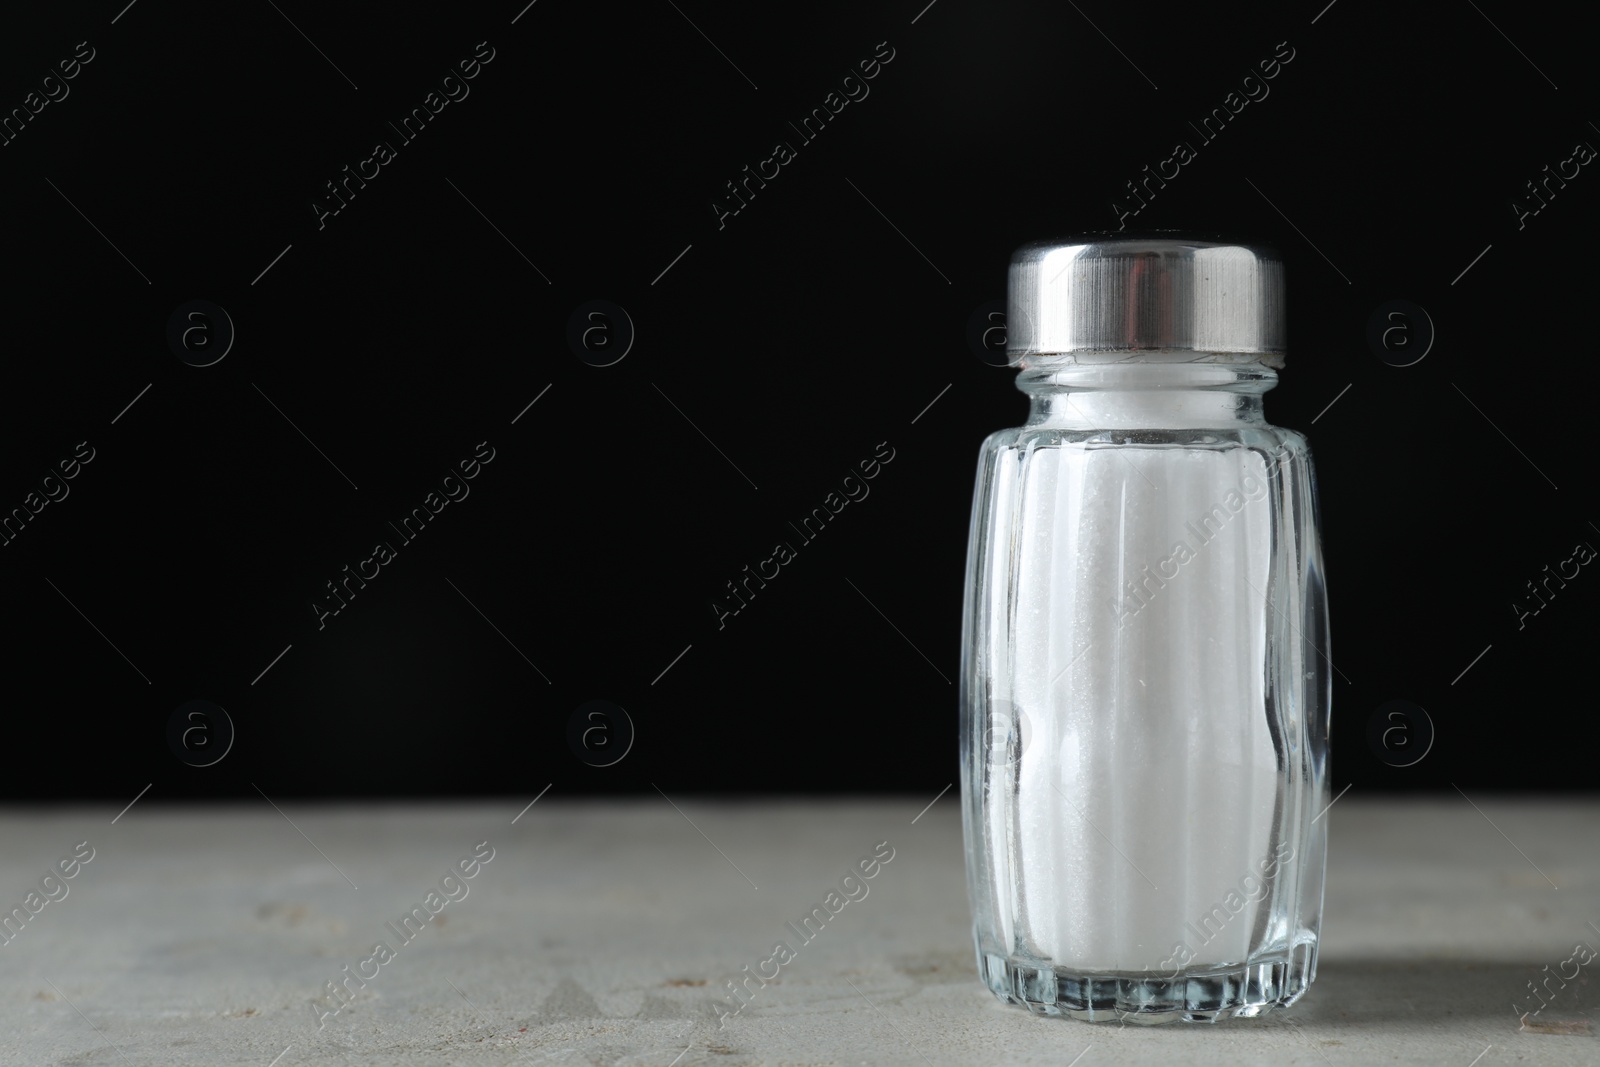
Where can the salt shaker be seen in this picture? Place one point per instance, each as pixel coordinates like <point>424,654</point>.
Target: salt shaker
<point>1145,688</point>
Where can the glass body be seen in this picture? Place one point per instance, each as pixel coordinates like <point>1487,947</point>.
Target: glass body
<point>1145,695</point>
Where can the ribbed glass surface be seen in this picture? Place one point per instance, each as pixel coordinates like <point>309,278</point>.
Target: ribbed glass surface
<point>1145,698</point>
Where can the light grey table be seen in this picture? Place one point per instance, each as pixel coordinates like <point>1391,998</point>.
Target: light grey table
<point>604,933</point>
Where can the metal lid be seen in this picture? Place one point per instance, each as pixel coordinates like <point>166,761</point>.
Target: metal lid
<point>1159,296</point>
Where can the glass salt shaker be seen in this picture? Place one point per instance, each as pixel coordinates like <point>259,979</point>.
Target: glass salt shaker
<point>1144,684</point>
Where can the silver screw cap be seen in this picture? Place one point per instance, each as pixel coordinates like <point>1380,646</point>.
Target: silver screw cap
<point>1161,297</point>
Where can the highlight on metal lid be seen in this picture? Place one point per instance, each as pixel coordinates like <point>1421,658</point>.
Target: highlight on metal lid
<point>1156,295</point>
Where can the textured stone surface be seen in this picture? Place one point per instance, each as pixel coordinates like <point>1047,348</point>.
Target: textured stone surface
<point>603,933</point>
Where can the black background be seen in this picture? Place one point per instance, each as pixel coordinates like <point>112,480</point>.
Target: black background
<point>816,323</point>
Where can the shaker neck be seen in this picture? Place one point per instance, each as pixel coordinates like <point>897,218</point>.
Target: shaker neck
<point>1144,394</point>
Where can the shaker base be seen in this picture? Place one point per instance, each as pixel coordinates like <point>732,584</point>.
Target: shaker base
<point>1243,991</point>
